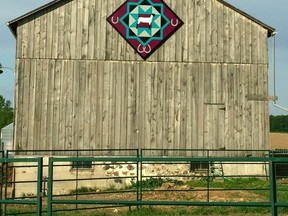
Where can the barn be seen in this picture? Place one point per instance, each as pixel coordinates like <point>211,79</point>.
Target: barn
<point>195,76</point>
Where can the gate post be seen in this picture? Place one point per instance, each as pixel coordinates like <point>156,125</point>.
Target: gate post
<point>50,187</point>
<point>273,187</point>
<point>39,186</point>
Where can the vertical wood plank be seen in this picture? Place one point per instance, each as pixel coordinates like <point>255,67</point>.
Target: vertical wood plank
<point>61,31</point>
<point>220,32</point>
<point>50,104</point>
<point>73,30</point>
<point>23,115</point>
<point>180,35</point>
<point>225,99</point>
<point>63,90</point>
<point>27,43</point>
<point>85,29</point>
<point>38,104</point>
<point>237,39</point>
<point>230,103</point>
<point>214,32</point>
<point>87,117</point>
<point>18,97</point>
<point>31,91</point>
<point>193,89</point>
<point>117,104</point>
<point>170,106</point>
<point>131,103</point>
<point>255,45</point>
<point>68,74</point>
<point>56,104</point>
<point>106,113</point>
<point>161,107</point>
<point>81,108</point>
<point>55,30</point>
<point>243,35</point>
<point>91,29</point>
<point>37,36</point>
<point>124,106</point>
<point>75,109</point>
<point>231,17</point>
<point>209,32</point>
<point>140,113</point>
<point>226,25</point>
<point>182,106</point>
<point>92,96</point>
<point>19,42</point>
<point>154,104</point>
<point>79,29</point>
<point>147,105</point>
<point>99,105</point>
<point>248,39</point>
<point>67,28</point>
<point>50,31</point>
<point>201,101</point>
<point>43,35</point>
<point>191,32</point>
<point>179,118</point>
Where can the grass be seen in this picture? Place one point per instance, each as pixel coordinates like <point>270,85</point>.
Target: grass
<point>172,211</point>
<point>259,186</point>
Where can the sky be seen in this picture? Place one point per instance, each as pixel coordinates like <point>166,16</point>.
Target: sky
<point>271,12</point>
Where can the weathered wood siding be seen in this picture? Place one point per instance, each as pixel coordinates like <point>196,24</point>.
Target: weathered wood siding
<point>78,30</point>
<point>80,85</point>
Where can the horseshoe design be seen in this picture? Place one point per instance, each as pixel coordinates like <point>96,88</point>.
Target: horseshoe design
<point>144,49</point>
<point>174,24</point>
<point>113,21</point>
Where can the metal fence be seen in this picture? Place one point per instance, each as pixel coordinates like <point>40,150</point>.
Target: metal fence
<point>143,179</point>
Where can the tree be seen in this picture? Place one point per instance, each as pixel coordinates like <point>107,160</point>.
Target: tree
<point>6,112</point>
<point>279,123</point>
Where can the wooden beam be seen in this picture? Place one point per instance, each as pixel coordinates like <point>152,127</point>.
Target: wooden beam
<point>261,97</point>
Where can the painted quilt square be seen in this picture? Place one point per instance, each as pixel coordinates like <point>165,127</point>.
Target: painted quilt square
<point>145,24</point>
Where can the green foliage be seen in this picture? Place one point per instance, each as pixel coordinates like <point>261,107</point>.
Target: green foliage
<point>279,123</point>
<point>27,195</point>
<point>6,112</point>
<point>153,183</point>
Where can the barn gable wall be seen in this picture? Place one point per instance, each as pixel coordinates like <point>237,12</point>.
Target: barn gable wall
<point>80,85</point>
<point>78,30</point>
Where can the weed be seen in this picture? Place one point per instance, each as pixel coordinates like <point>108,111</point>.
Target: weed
<point>82,190</point>
<point>153,183</point>
<point>28,195</point>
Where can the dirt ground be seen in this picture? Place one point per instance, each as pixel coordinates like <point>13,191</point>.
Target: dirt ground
<point>171,192</point>
<point>278,141</point>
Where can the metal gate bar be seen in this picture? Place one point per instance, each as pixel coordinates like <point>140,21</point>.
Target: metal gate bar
<point>138,202</point>
<point>38,202</point>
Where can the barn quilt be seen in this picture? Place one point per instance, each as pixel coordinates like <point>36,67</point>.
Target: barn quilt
<point>145,24</point>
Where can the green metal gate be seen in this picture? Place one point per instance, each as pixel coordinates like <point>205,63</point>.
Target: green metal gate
<point>274,187</point>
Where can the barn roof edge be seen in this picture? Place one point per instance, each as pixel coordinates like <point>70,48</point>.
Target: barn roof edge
<point>271,30</point>
<point>13,23</point>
